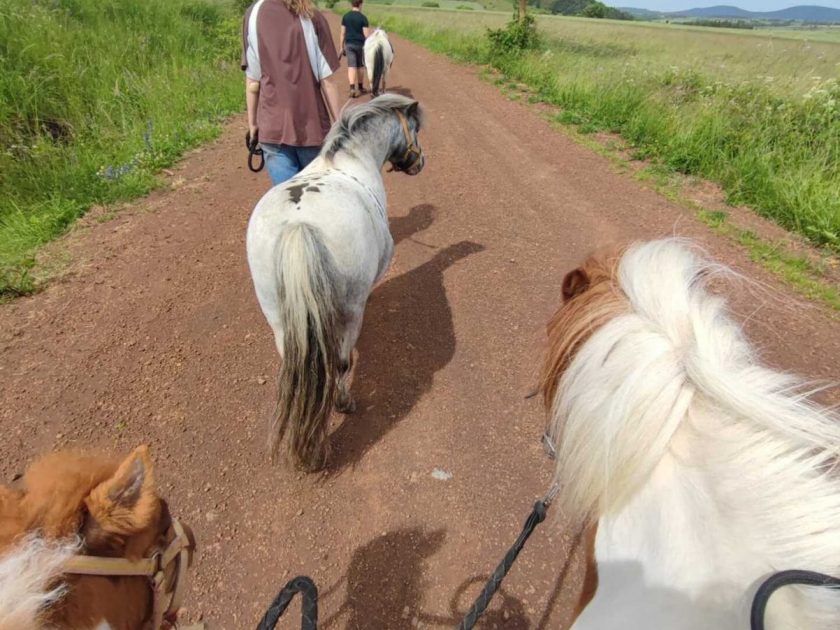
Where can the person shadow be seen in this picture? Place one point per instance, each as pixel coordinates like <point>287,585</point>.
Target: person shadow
<point>407,337</point>
<point>385,588</point>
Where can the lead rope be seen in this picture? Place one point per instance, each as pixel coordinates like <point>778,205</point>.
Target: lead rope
<point>309,592</point>
<point>785,578</point>
<point>253,145</point>
<point>481,603</point>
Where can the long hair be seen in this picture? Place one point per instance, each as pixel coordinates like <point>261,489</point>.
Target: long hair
<point>308,295</point>
<point>29,583</point>
<point>645,364</point>
<point>301,8</point>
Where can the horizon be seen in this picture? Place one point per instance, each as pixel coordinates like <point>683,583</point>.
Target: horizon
<point>747,5</point>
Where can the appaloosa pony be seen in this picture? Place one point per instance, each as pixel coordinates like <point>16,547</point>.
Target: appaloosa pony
<point>316,246</point>
<point>698,470</point>
<point>79,545</point>
<point>379,56</point>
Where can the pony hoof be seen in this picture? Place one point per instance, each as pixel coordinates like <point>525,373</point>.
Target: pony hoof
<point>346,406</point>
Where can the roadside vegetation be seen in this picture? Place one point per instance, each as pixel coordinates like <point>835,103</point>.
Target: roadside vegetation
<point>96,96</point>
<point>758,115</point>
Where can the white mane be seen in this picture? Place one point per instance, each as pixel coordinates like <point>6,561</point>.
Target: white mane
<point>28,586</point>
<point>674,379</point>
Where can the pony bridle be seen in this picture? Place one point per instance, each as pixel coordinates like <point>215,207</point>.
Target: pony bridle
<point>413,152</point>
<point>166,571</point>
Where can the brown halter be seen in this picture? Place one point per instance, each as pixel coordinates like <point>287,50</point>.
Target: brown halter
<point>166,571</point>
<point>412,151</point>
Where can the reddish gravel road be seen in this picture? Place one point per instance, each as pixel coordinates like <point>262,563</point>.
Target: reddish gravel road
<point>155,336</point>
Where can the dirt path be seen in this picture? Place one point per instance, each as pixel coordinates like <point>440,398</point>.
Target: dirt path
<point>156,337</point>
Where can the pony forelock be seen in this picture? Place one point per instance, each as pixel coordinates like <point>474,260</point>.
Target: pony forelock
<point>28,580</point>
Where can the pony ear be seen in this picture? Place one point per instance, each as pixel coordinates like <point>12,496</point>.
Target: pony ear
<point>575,283</point>
<point>126,503</point>
<point>413,111</point>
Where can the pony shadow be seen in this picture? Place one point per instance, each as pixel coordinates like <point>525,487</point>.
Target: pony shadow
<point>418,219</point>
<point>384,580</point>
<point>406,338</point>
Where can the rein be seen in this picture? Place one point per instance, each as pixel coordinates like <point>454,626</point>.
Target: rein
<point>779,580</point>
<point>254,149</point>
<point>166,571</point>
<point>309,591</point>
<point>412,152</point>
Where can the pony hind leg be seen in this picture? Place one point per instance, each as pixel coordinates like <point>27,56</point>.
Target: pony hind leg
<point>344,400</point>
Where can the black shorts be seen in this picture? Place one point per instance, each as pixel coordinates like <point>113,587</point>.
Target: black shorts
<point>355,55</point>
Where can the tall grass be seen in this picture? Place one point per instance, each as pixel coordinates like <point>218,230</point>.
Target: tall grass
<point>775,150</point>
<point>95,97</point>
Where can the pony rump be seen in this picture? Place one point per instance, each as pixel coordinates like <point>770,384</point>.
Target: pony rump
<point>307,281</point>
<point>29,585</point>
<point>639,348</point>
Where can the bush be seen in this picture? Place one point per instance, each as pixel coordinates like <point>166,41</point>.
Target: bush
<point>464,7</point>
<point>431,5</point>
<point>595,10</point>
<point>518,35</point>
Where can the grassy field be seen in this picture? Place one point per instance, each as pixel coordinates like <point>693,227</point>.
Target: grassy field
<point>96,96</point>
<point>757,113</point>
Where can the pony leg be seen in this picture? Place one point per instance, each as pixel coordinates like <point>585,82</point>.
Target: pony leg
<point>344,400</point>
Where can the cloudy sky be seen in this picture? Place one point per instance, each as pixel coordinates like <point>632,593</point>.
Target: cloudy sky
<point>750,5</point>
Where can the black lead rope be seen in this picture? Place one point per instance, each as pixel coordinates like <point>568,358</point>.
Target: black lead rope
<point>309,592</point>
<point>253,145</point>
<point>536,517</point>
<point>778,580</point>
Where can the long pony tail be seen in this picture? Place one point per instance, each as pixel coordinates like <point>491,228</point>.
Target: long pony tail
<point>378,68</point>
<point>310,320</point>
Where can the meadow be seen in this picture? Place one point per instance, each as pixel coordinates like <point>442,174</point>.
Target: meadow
<point>96,96</point>
<point>756,111</point>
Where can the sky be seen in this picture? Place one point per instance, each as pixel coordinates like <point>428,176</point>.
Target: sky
<point>749,5</point>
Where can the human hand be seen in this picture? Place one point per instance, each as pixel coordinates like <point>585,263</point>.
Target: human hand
<point>253,130</point>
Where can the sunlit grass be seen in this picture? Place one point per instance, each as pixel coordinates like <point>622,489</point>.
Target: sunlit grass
<point>96,96</point>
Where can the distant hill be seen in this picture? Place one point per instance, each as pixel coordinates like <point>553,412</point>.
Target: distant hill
<point>804,13</point>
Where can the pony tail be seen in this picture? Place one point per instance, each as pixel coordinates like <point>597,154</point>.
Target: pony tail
<point>378,68</point>
<point>307,387</point>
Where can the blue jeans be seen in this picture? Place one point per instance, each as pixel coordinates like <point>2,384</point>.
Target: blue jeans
<point>283,161</point>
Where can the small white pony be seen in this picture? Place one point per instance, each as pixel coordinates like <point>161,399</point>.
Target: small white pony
<point>379,55</point>
<point>702,471</point>
<point>316,246</point>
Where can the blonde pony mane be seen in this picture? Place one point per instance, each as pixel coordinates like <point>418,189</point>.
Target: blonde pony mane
<point>29,584</point>
<point>642,360</point>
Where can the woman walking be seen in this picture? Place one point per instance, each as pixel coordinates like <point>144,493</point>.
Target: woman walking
<point>289,58</point>
<point>354,30</point>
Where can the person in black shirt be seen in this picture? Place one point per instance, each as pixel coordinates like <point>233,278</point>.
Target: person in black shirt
<point>354,30</point>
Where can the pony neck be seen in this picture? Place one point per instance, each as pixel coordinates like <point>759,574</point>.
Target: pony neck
<point>714,519</point>
<point>367,152</point>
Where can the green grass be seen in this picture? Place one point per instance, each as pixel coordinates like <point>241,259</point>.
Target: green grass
<point>96,96</point>
<point>689,99</point>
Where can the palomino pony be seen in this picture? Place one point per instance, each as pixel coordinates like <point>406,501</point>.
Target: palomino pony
<point>701,471</point>
<point>316,246</point>
<point>79,544</point>
<point>379,55</point>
